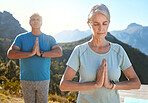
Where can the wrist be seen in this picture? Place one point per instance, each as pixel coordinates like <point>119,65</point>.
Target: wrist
<point>32,53</point>
<point>97,84</point>
<point>113,85</point>
<point>41,54</point>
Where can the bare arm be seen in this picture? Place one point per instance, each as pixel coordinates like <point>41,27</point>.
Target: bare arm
<point>133,80</point>
<point>67,84</point>
<point>15,53</point>
<point>56,51</point>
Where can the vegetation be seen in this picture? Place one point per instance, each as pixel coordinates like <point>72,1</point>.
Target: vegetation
<point>9,72</point>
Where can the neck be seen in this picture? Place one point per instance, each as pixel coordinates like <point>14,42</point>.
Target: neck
<point>36,32</point>
<point>101,42</point>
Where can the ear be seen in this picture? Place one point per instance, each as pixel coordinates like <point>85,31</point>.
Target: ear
<point>88,23</point>
<point>30,22</point>
<point>41,22</point>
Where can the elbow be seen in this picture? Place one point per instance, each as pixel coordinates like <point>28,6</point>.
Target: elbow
<point>59,54</point>
<point>9,54</point>
<point>62,87</point>
<point>138,84</point>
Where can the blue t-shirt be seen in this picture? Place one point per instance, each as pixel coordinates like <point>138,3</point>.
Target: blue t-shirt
<point>34,68</point>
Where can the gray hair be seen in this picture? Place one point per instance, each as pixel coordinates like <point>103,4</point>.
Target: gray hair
<point>35,14</point>
<point>99,9</point>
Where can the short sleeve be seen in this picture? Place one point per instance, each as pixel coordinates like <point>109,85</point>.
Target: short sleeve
<point>125,62</point>
<point>17,41</point>
<point>53,42</point>
<point>74,59</point>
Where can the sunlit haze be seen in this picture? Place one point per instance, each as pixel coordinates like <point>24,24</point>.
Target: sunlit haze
<point>59,15</point>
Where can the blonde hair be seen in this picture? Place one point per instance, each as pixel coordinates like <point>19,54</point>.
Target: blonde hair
<point>101,8</point>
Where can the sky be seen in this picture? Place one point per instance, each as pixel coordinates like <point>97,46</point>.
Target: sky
<point>60,15</point>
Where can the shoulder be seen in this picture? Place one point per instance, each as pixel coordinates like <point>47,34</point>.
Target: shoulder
<point>47,36</point>
<point>22,35</point>
<point>81,48</point>
<point>117,48</point>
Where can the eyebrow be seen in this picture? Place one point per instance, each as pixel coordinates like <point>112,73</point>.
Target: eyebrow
<point>103,22</point>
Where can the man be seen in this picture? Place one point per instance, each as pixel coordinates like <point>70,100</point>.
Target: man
<point>35,49</point>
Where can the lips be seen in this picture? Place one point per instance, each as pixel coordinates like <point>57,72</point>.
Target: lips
<point>100,33</point>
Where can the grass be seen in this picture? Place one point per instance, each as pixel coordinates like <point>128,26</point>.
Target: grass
<point>51,99</point>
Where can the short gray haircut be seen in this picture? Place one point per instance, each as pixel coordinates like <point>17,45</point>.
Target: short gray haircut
<point>101,8</point>
<point>35,14</point>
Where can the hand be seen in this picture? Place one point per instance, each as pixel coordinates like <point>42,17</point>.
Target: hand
<point>107,83</point>
<point>100,74</point>
<point>38,48</point>
<point>34,47</point>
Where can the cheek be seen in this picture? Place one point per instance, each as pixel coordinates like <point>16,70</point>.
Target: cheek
<point>94,28</point>
<point>106,29</point>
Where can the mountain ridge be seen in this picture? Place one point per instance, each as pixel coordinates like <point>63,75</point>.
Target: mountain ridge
<point>9,29</point>
<point>71,35</point>
<point>135,35</point>
<point>137,58</point>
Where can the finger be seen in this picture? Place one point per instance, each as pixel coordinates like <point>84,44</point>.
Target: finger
<point>36,42</point>
<point>102,64</point>
<point>36,38</point>
<point>105,61</point>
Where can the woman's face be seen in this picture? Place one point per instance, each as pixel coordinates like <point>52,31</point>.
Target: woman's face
<point>99,25</point>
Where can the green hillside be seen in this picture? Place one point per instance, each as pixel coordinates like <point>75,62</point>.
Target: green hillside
<point>138,59</point>
<point>9,69</point>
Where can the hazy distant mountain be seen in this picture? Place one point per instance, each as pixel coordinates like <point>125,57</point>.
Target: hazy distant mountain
<point>137,58</point>
<point>135,35</point>
<point>9,28</point>
<point>70,36</point>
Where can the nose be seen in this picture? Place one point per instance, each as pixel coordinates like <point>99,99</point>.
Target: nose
<point>100,27</point>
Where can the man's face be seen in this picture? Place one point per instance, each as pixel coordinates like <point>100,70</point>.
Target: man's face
<point>36,21</point>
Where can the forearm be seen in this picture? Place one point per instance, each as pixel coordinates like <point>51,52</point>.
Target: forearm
<point>127,85</point>
<point>76,86</point>
<point>14,54</point>
<point>53,53</point>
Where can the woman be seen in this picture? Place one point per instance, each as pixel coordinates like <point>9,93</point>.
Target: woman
<point>99,63</point>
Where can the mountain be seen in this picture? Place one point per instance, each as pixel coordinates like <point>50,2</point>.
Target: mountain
<point>137,58</point>
<point>70,36</point>
<point>135,35</point>
<point>9,28</point>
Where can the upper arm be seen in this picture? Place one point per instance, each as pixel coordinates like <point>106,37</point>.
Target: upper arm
<point>130,73</point>
<point>69,73</point>
<point>14,47</point>
<point>125,61</point>
<point>56,47</point>
<point>52,42</point>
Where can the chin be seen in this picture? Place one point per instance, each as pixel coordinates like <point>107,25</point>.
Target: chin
<point>99,36</point>
<point>36,27</point>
